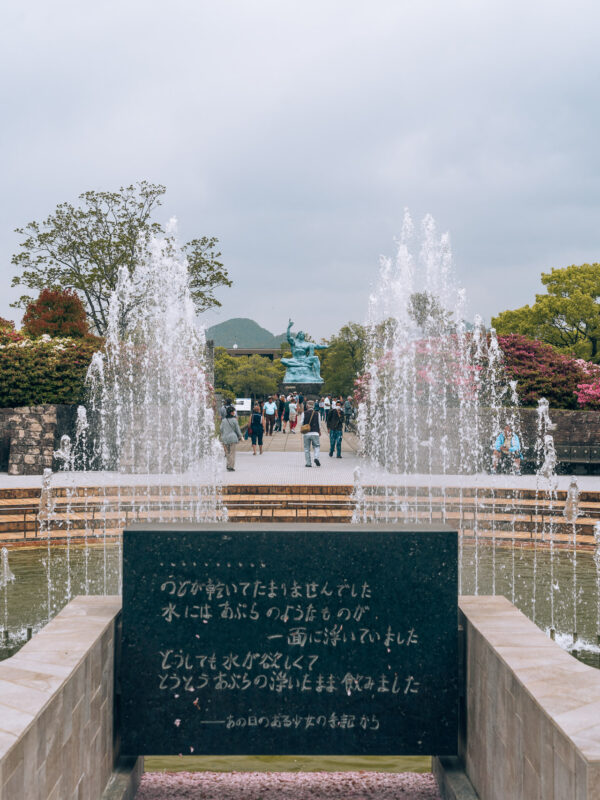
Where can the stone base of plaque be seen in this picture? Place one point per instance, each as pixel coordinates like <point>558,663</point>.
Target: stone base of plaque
<point>451,778</point>
<point>125,779</point>
<point>310,391</point>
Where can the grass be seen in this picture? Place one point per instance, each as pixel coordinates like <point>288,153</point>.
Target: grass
<point>287,763</point>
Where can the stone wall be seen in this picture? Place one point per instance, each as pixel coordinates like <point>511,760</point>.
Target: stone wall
<point>57,709</point>
<point>29,436</point>
<point>572,427</point>
<point>530,712</point>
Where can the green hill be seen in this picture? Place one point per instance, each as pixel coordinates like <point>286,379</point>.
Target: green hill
<point>243,332</point>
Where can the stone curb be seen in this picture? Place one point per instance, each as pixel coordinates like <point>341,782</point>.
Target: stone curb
<point>125,779</point>
<point>452,779</point>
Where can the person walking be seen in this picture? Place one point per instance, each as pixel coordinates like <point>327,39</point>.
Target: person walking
<point>255,426</point>
<point>335,426</point>
<point>270,412</point>
<point>327,406</point>
<point>293,415</point>
<point>230,436</point>
<point>286,414</point>
<point>321,408</point>
<point>311,436</point>
<point>300,409</point>
<point>348,410</point>
<point>280,412</point>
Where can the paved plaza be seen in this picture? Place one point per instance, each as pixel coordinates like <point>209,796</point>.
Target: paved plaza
<point>282,464</point>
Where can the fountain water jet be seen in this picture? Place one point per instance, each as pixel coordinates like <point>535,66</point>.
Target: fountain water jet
<point>145,446</point>
<point>433,398</point>
<point>6,577</point>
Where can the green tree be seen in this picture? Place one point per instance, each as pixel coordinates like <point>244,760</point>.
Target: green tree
<point>256,376</point>
<point>343,361</point>
<point>429,314</point>
<point>225,367</point>
<point>567,317</point>
<point>246,376</point>
<point>83,247</point>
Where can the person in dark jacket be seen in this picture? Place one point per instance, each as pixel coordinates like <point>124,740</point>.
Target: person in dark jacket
<point>280,413</point>
<point>335,426</point>
<point>256,429</point>
<point>311,439</point>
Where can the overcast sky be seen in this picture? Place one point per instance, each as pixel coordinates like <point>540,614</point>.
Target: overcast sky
<point>297,132</point>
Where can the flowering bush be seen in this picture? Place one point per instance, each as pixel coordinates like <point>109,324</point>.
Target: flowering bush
<point>591,369</point>
<point>588,393</point>
<point>8,333</point>
<point>45,370</point>
<point>541,371</point>
<point>442,365</point>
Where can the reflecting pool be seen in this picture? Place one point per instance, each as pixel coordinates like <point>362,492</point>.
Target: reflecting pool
<point>523,576</point>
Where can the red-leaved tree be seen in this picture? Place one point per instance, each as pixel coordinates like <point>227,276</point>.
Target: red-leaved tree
<point>56,313</point>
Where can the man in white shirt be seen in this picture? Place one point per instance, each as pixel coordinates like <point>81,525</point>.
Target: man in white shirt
<point>270,412</point>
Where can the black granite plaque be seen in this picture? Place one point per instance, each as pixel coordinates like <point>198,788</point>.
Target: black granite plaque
<point>289,639</point>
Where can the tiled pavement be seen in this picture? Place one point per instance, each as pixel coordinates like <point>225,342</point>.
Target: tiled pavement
<point>282,462</point>
<point>292,443</point>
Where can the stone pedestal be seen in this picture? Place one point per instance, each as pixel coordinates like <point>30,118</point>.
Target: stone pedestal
<point>310,391</point>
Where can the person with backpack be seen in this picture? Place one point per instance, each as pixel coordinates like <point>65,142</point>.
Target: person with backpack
<point>256,429</point>
<point>311,430</point>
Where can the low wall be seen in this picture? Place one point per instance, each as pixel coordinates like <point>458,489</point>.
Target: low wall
<point>57,711</point>
<point>29,436</point>
<point>530,712</point>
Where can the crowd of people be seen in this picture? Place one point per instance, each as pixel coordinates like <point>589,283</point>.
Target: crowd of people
<point>288,414</point>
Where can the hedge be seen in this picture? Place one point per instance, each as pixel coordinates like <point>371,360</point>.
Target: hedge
<point>35,372</point>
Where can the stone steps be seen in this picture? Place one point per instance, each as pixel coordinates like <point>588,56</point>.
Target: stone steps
<point>96,511</point>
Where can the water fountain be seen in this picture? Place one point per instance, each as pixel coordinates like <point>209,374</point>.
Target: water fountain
<point>144,447</point>
<point>6,577</point>
<point>434,397</point>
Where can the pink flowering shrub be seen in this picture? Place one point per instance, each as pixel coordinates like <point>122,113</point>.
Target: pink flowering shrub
<point>8,334</point>
<point>541,371</point>
<point>588,394</point>
<point>440,367</point>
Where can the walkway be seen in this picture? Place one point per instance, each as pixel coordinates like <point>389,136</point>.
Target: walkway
<point>282,463</point>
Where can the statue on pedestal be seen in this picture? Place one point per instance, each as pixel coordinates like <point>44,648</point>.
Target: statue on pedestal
<point>304,366</point>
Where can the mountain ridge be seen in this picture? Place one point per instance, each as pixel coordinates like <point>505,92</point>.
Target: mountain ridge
<point>244,332</point>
